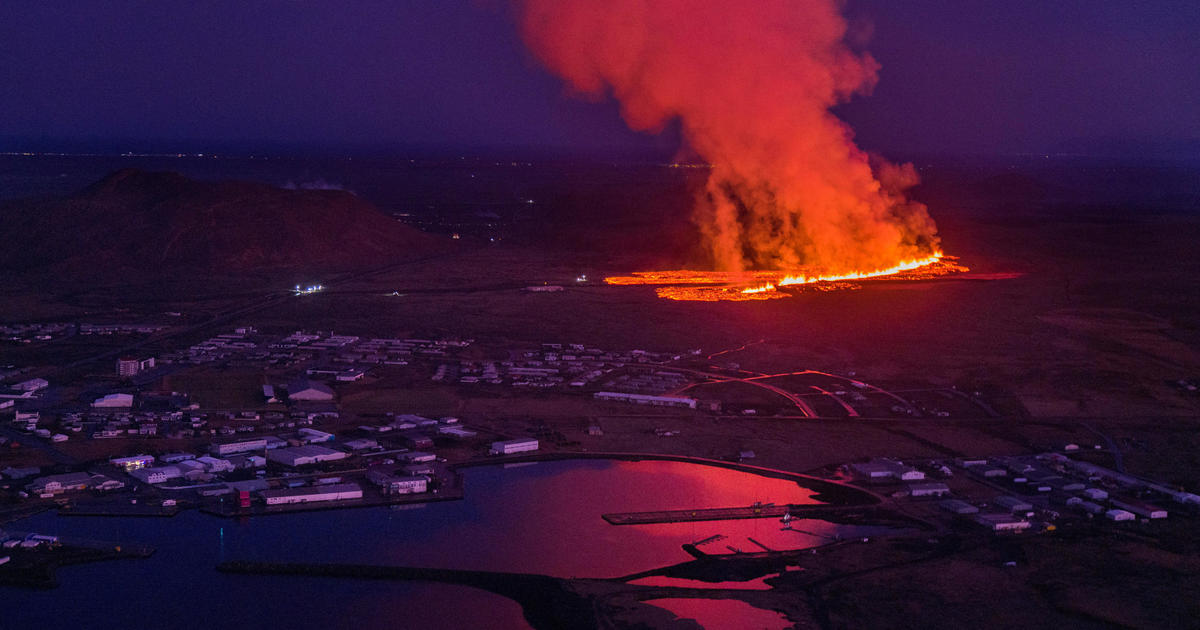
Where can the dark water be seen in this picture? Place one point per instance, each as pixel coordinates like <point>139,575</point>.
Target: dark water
<point>542,518</point>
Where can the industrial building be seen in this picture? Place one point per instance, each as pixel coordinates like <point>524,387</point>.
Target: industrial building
<point>1145,510</point>
<point>1002,522</point>
<point>929,489</point>
<point>130,464</point>
<point>508,447</point>
<point>361,444</point>
<point>114,400</point>
<point>957,506</point>
<point>393,484</point>
<point>1013,504</point>
<point>304,455</point>
<point>644,399</point>
<point>886,469</point>
<point>241,446</point>
<point>157,474</point>
<point>312,494</point>
<point>304,389</point>
<point>1119,515</point>
<point>53,484</point>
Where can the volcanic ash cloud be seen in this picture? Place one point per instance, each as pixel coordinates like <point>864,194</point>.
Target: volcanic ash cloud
<point>752,84</point>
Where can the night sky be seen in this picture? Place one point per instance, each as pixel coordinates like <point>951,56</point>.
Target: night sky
<point>964,77</point>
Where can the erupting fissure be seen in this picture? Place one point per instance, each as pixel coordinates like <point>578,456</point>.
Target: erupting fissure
<point>751,85</point>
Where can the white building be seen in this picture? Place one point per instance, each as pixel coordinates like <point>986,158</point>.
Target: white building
<point>241,446</point>
<point>645,399</point>
<point>312,494</point>
<point>214,464</point>
<point>157,474</point>
<point>508,447</point>
<point>1119,515</point>
<point>114,400</point>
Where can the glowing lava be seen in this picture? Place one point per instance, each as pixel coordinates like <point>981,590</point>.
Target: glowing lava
<point>715,286</point>
<point>907,265</point>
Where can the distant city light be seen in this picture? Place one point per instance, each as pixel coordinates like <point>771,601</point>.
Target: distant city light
<point>309,290</point>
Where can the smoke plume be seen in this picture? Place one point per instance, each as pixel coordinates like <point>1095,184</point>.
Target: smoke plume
<point>752,84</point>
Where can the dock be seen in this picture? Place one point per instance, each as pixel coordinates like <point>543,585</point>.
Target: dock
<point>732,513</point>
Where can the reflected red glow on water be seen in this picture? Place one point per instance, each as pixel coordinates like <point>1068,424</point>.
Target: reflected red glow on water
<point>723,614</point>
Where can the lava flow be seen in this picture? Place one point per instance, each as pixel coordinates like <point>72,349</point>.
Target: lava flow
<point>714,286</point>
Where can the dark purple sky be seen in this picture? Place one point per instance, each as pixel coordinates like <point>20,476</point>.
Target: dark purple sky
<point>968,76</point>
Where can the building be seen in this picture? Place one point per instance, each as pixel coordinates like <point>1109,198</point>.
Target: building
<point>417,457</point>
<point>956,506</point>
<point>114,400</point>
<point>130,464</point>
<point>457,433</point>
<point>1095,494</point>
<point>53,484</point>
<point>930,489</point>
<point>268,393</point>
<point>415,469</point>
<point>390,483</point>
<point>215,465</point>
<point>306,435</point>
<point>158,474</point>
<point>241,446</point>
<point>304,455</point>
<point>886,469</point>
<point>128,366</point>
<point>312,494</point>
<point>644,399</point>
<point>361,444</point>
<point>1013,504</point>
<point>303,389</point>
<point>32,385</point>
<point>1144,510</point>
<point>1002,522</point>
<point>1119,515</point>
<point>508,447</point>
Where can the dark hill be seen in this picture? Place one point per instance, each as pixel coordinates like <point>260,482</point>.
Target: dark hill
<point>134,219</point>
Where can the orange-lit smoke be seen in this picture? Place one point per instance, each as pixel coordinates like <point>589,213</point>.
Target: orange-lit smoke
<point>751,84</point>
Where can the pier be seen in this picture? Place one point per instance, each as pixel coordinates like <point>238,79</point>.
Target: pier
<point>732,513</point>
